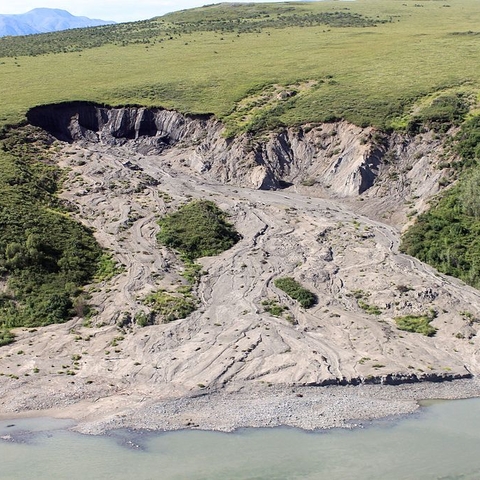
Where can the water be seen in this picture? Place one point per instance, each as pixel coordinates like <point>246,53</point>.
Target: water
<point>442,442</point>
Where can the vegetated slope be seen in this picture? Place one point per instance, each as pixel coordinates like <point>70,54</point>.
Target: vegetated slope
<point>281,70</point>
<point>42,20</point>
<point>45,257</point>
<point>233,18</point>
<point>448,235</point>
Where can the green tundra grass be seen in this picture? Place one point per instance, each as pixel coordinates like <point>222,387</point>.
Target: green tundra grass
<point>366,74</point>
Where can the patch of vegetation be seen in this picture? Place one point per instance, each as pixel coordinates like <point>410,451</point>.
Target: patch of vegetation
<point>448,235</point>
<point>6,337</point>
<point>370,309</point>
<point>107,268</point>
<point>363,360</point>
<point>467,144</point>
<point>192,271</point>
<point>358,294</point>
<point>45,256</point>
<point>417,324</point>
<point>143,319</point>
<point>294,290</point>
<point>197,229</point>
<point>442,113</point>
<point>171,306</point>
<point>114,342</point>
<point>308,182</point>
<point>361,296</point>
<point>273,307</point>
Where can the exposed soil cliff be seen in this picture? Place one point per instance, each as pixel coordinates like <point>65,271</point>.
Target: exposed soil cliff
<point>338,156</point>
<point>337,159</point>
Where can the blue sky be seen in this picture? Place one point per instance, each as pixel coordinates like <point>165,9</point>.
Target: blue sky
<point>117,10</point>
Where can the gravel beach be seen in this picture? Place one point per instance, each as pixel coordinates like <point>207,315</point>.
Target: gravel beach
<point>308,408</point>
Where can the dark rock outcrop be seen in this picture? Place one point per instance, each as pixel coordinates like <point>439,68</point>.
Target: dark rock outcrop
<point>393,379</point>
<point>80,120</point>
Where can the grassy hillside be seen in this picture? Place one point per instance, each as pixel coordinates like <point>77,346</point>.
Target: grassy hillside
<point>368,61</point>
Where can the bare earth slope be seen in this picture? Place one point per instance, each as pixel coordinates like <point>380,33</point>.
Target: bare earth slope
<point>321,204</point>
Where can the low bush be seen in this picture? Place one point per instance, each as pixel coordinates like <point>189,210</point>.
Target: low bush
<point>171,306</point>
<point>371,309</point>
<point>294,290</point>
<point>417,324</point>
<point>273,307</point>
<point>143,319</point>
<point>107,268</point>
<point>6,337</point>
<point>197,229</point>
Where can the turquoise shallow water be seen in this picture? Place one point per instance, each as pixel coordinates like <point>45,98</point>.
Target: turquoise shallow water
<point>442,441</point>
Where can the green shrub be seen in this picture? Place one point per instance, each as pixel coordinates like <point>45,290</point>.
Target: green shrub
<point>142,319</point>
<point>192,271</point>
<point>273,307</point>
<point>197,229</point>
<point>171,306</point>
<point>371,309</point>
<point>107,268</point>
<point>6,337</point>
<point>294,290</point>
<point>417,324</point>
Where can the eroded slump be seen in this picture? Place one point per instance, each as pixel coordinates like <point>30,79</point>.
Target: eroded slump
<point>83,120</point>
<point>332,153</point>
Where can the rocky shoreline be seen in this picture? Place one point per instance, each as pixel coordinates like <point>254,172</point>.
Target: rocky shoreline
<point>247,406</point>
<point>307,408</point>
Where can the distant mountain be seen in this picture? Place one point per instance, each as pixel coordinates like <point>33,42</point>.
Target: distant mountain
<point>42,20</point>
